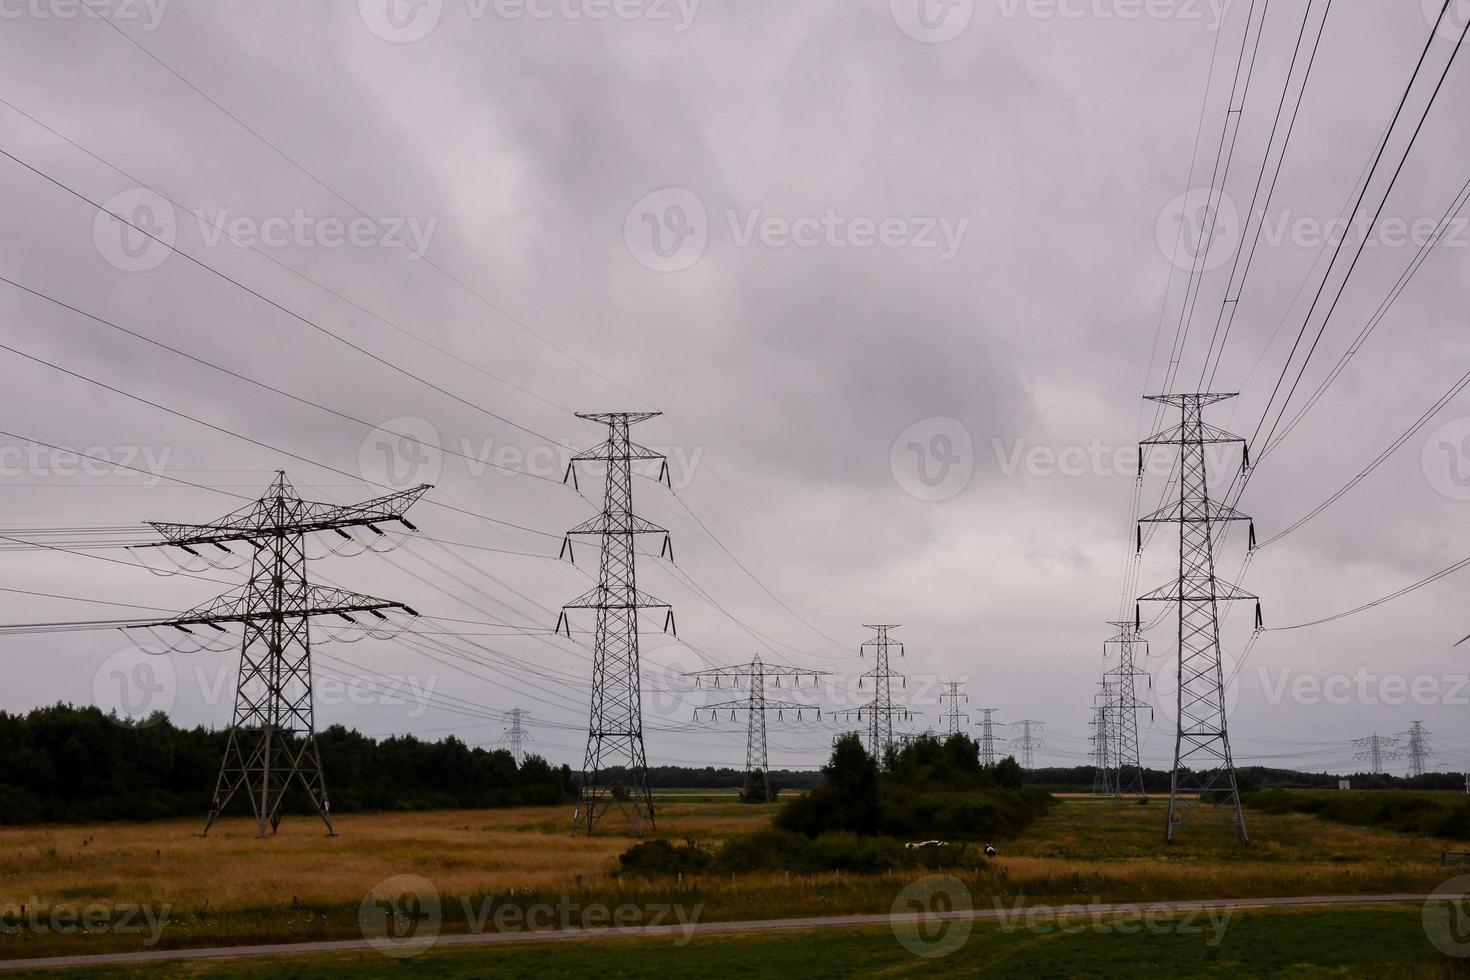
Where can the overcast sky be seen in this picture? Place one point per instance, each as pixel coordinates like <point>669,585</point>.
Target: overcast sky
<point>897,275</point>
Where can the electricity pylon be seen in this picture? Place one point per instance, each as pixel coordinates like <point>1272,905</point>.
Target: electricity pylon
<point>1103,739</point>
<point>953,714</point>
<point>272,740</point>
<point>987,736</point>
<point>1377,748</point>
<point>755,675</point>
<point>516,734</point>
<point>615,728</point>
<point>1122,681</point>
<point>881,710</point>
<point>1204,771</point>
<point>1419,751</point>
<point>1029,741</point>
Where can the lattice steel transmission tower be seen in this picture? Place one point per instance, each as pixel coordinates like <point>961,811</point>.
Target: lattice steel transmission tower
<point>1204,771</point>
<point>615,729</point>
<point>1417,739</point>
<point>1103,740</point>
<point>1122,681</point>
<point>1029,741</point>
<point>1378,748</point>
<point>953,715</point>
<point>272,739</point>
<point>881,710</point>
<point>757,676</point>
<point>515,733</point>
<point>987,736</point>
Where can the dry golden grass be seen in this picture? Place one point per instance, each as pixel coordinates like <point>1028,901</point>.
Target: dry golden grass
<point>300,884</point>
<point>462,852</point>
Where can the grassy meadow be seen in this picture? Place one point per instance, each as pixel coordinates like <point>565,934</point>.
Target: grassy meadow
<point>1382,943</point>
<point>301,885</point>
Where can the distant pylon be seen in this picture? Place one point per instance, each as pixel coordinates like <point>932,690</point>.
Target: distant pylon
<point>1029,741</point>
<point>615,729</point>
<point>1122,681</point>
<point>272,739</point>
<point>1418,748</point>
<point>1378,748</point>
<point>881,711</point>
<point>987,736</point>
<point>1103,740</point>
<point>1204,771</point>
<point>516,734</point>
<point>756,675</point>
<point>953,714</point>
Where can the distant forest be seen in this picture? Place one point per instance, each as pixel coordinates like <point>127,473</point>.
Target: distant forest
<point>1079,779</point>
<point>66,764</point>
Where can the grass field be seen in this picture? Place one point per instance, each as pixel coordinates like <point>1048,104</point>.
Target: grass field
<point>1384,943</point>
<point>232,888</point>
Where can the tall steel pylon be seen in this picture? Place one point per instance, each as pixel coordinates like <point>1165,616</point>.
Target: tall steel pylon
<point>1122,681</point>
<point>755,675</point>
<point>953,715</point>
<point>1029,741</point>
<point>1204,771</point>
<point>1417,739</point>
<point>1103,740</point>
<point>881,710</point>
<point>615,728</point>
<point>1377,749</point>
<point>272,739</point>
<point>987,725</point>
<point>515,733</point>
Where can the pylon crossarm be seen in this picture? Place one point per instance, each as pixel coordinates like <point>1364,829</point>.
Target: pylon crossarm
<point>237,608</point>
<point>1191,435</point>
<point>622,524</point>
<point>601,598</point>
<point>281,511</point>
<point>1217,513</point>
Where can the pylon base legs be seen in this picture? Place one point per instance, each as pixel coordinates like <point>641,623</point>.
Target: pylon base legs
<point>277,760</point>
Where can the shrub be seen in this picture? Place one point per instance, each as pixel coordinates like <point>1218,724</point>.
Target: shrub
<point>780,850</point>
<point>660,857</point>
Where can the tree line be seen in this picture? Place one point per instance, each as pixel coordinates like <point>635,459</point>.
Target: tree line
<point>67,764</point>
